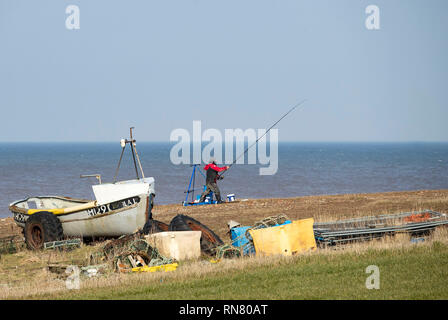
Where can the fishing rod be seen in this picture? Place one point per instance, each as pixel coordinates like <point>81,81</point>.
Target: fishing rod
<point>245,151</point>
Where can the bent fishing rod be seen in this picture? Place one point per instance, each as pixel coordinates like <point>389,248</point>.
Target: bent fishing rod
<point>247,149</point>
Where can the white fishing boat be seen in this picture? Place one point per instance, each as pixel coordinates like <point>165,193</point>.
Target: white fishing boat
<point>119,208</point>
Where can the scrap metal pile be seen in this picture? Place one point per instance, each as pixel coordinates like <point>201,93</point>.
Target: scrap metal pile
<point>270,236</point>
<point>149,249</point>
<point>160,246</point>
<point>241,240</point>
<point>131,253</point>
<point>367,228</point>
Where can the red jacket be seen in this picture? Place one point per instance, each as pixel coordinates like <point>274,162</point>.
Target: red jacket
<point>212,172</point>
<point>214,167</point>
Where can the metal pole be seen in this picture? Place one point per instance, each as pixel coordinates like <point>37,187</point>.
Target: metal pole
<point>189,185</point>
<point>194,180</point>
<point>138,160</point>
<point>133,155</point>
<point>118,167</point>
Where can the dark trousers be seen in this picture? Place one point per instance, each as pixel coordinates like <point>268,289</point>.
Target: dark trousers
<point>211,187</point>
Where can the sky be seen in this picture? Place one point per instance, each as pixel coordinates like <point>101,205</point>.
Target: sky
<point>160,65</point>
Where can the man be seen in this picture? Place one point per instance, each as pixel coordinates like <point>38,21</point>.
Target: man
<point>210,181</point>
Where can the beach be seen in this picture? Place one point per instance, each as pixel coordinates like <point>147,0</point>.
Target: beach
<point>321,208</point>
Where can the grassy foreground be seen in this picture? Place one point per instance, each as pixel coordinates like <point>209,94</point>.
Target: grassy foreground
<point>407,270</point>
<point>415,272</point>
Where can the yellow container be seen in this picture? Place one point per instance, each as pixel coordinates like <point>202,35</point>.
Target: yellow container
<point>288,239</point>
<point>163,267</point>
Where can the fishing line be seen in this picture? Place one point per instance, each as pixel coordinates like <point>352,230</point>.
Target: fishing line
<point>245,151</point>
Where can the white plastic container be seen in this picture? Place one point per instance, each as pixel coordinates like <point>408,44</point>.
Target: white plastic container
<point>231,197</point>
<point>180,245</point>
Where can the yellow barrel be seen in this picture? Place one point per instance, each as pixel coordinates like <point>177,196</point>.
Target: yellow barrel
<point>288,239</point>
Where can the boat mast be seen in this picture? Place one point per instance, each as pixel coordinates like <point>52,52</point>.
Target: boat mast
<point>124,142</point>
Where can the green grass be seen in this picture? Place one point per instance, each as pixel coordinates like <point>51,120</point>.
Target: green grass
<point>418,272</point>
<point>28,267</point>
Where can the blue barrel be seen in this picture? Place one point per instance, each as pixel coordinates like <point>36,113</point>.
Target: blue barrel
<point>239,239</point>
<point>238,236</point>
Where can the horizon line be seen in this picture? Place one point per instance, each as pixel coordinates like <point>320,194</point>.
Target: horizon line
<point>206,142</point>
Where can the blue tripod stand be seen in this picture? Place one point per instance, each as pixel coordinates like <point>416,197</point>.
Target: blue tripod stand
<point>191,189</point>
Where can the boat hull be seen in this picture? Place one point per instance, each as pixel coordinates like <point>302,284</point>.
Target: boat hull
<point>109,220</point>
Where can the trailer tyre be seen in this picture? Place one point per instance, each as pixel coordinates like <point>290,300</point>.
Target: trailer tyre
<point>42,227</point>
<point>150,205</point>
<point>154,226</point>
<point>209,239</point>
<point>152,200</point>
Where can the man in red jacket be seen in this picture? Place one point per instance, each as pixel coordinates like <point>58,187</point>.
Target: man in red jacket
<point>210,181</point>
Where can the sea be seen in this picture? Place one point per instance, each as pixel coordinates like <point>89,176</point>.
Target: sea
<point>40,169</point>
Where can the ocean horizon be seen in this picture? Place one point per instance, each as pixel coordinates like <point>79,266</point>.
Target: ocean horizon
<point>304,168</point>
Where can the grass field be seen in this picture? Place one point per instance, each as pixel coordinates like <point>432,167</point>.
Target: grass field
<point>407,270</point>
<point>409,273</point>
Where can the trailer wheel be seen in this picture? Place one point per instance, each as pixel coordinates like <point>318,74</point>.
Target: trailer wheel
<point>150,205</point>
<point>152,200</point>
<point>154,226</point>
<point>209,239</point>
<point>42,227</point>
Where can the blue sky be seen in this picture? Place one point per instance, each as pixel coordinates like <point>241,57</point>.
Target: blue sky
<point>159,65</point>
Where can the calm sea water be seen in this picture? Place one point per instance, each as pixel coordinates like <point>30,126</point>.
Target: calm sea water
<point>304,169</point>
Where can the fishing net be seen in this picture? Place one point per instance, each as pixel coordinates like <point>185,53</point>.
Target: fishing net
<point>11,244</point>
<point>130,247</point>
<point>227,252</point>
<point>266,223</point>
